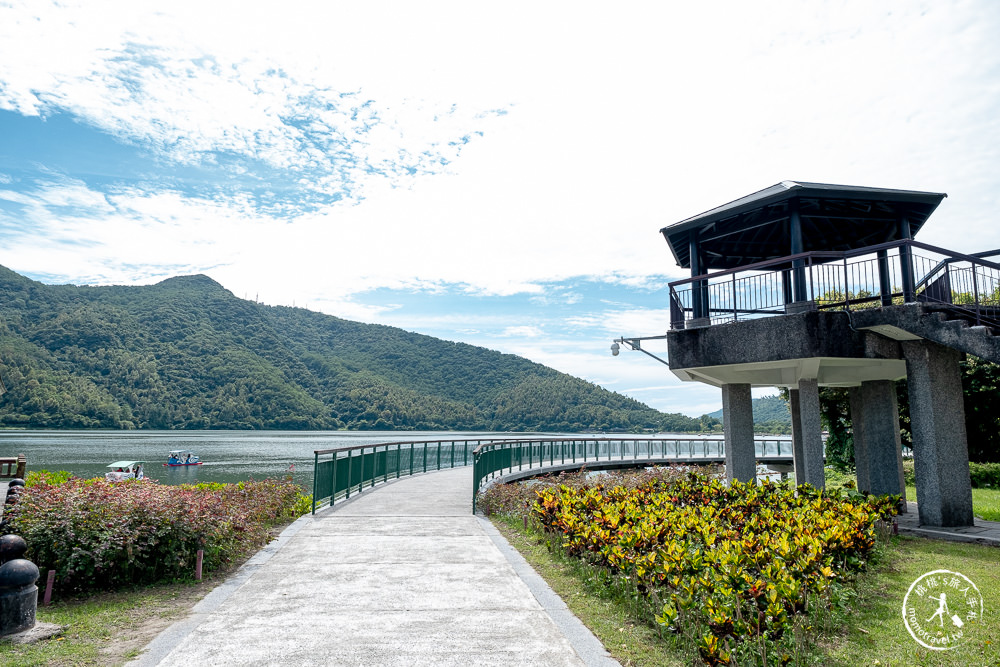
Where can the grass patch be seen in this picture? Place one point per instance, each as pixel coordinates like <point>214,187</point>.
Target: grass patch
<point>862,625</point>
<point>877,635</point>
<point>106,629</point>
<point>870,631</point>
<point>985,502</point>
<point>611,619</point>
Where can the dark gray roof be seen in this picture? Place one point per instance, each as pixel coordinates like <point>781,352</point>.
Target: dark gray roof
<point>834,217</point>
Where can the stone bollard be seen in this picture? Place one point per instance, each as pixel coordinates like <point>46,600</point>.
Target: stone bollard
<point>14,490</point>
<point>18,593</point>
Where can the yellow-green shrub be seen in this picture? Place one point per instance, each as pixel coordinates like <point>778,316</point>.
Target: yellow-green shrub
<point>724,564</point>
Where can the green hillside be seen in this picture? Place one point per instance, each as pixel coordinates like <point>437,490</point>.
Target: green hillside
<point>770,415</point>
<point>186,353</point>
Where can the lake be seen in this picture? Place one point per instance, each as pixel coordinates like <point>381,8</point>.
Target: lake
<point>228,456</point>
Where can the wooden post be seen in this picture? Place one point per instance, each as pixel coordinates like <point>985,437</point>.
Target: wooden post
<point>48,588</point>
<point>197,565</point>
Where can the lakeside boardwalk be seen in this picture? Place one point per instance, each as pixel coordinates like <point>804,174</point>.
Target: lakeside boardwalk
<point>402,574</point>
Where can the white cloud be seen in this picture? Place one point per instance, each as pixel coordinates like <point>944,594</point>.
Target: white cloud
<point>599,128</point>
<point>522,332</point>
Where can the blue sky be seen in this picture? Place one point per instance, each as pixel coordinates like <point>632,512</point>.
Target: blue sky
<point>495,174</point>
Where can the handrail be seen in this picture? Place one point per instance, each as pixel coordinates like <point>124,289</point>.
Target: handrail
<point>826,279</point>
<point>345,472</point>
<point>352,469</point>
<point>841,254</point>
<point>494,457</point>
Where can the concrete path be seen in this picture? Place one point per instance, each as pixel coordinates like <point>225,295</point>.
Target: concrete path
<point>402,574</point>
<point>983,532</point>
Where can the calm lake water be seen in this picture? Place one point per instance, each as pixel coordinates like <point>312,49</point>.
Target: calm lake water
<point>228,456</point>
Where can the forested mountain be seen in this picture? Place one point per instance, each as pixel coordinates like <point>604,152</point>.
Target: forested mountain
<point>770,415</point>
<point>186,353</point>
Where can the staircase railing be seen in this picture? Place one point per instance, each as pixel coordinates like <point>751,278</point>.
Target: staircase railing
<point>870,277</point>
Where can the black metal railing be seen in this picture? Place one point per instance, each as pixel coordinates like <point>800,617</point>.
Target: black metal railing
<point>869,277</point>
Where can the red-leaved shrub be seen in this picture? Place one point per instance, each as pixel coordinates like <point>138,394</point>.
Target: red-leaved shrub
<point>102,535</point>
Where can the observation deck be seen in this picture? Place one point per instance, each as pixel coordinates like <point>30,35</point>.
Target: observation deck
<point>808,285</point>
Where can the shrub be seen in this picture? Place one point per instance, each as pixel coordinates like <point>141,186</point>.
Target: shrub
<point>47,477</point>
<point>982,475</point>
<point>101,535</point>
<point>909,474</point>
<point>730,567</point>
<point>515,500</point>
<point>985,475</point>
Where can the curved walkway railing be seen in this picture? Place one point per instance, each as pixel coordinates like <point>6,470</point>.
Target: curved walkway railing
<point>337,473</point>
<point>340,472</point>
<point>491,459</point>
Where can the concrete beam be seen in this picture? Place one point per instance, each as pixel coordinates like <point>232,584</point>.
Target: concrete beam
<point>940,448</point>
<point>737,417</point>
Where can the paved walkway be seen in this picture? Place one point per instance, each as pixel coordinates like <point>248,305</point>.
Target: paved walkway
<point>983,532</point>
<point>402,574</point>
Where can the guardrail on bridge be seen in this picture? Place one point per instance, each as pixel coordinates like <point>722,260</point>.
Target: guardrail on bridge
<point>337,473</point>
<point>492,458</point>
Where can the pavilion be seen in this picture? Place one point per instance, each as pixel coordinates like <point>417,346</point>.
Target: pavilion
<point>809,285</point>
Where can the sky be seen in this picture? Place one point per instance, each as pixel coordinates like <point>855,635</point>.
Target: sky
<point>493,173</point>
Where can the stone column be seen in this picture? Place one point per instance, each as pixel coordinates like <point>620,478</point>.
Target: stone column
<point>937,420</point>
<point>737,417</point>
<point>858,437</point>
<point>812,433</point>
<point>878,451</point>
<point>798,454</point>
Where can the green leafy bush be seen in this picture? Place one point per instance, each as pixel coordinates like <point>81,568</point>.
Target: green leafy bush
<point>982,475</point>
<point>47,477</point>
<point>515,500</point>
<point>101,535</point>
<point>733,568</point>
<point>985,475</point>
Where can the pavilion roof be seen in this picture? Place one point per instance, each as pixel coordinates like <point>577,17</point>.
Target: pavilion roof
<point>754,228</point>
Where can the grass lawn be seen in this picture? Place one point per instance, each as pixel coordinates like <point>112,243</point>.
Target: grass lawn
<point>985,502</point>
<point>109,628</point>
<point>871,630</point>
<point>878,636</point>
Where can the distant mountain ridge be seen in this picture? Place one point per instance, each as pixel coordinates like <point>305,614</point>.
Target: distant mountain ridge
<point>770,413</point>
<point>186,353</point>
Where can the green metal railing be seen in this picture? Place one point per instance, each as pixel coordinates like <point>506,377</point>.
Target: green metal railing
<point>493,458</point>
<point>340,472</point>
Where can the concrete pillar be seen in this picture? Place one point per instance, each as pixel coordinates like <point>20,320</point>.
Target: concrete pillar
<point>877,446</point>
<point>798,454</point>
<point>737,418</point>
<point>858,436</point>
<point>812,433</point>
<point>937,420</point>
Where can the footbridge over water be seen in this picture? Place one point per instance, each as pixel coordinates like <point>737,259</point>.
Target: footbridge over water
<point>341,473</point>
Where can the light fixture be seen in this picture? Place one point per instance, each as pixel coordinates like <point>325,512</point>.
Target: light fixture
<point>636,344</point>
